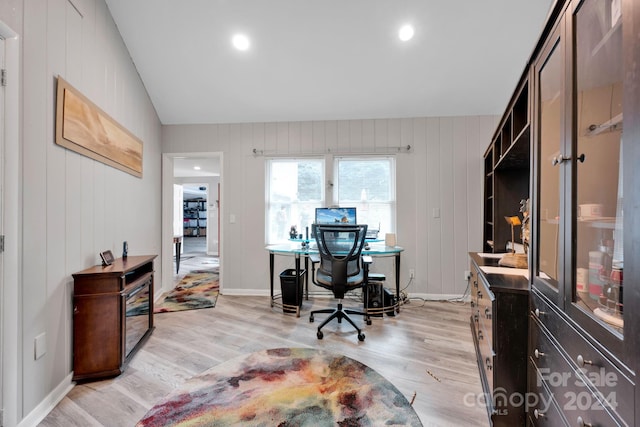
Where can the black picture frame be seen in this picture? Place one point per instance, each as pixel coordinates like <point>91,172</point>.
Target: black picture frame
<point>107,258</point>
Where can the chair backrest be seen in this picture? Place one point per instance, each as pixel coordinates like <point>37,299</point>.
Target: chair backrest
<point>340,249</point>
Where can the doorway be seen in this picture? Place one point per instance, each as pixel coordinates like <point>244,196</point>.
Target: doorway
<point>192,185</point>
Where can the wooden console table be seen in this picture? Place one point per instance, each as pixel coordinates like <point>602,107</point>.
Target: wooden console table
<point>112,315</point>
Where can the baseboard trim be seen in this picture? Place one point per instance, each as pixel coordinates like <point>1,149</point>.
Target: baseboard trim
<point>48,403</point>
<point>441,297</point>
<point>426,297</point>
<point>246,292</point>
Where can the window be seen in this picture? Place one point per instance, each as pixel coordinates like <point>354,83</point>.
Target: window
<point>368,183</point>
<point>295,189</point>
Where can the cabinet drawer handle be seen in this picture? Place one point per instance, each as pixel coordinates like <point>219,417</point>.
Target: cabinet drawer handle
<point>480,294</point>
<point>559,159</point>
<point>580,423</point>
<point>487,313</point>
<point>581,362</point>
<point>562,158</point>
<point>475,283</point>
<point>473,304</point>
<point>538,313</point>
<point>475,318</point>
<point>538,354</point>
<point>538,414</point>
<point>487,362</point>
<point>480,336</point>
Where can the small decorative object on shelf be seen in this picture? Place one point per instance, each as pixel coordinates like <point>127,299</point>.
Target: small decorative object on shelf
<point>513,259</point>
<point>525,233</point>
<point>107,258</point>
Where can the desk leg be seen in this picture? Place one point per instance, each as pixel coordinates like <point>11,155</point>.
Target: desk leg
<point>306,278</point>
<point>271,267</point>
<point>398,283</point>
<point>297,283</point>
<point>178,248</point>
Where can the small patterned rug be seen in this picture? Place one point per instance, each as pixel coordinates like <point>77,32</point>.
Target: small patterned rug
<point>198,289</point>
<point>285,387</point>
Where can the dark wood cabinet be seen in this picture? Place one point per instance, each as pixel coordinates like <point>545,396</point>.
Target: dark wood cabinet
<point>112,315</point>
<point>582,130</point>
<point>499,307</point>
<point>507,169</point>
<point>583,333</point>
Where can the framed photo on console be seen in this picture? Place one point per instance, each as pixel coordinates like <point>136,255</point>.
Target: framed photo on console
<point>107,258</point>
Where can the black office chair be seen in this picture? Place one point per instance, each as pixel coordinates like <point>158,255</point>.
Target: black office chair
<point>341,268</point>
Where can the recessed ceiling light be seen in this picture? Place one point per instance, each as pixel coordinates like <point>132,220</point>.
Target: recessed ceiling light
<point>240,42</point>
<point>196,168</point>
<point>406,32</point>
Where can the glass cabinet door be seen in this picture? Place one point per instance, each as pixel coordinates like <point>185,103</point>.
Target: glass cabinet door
<point>599,260</point>
<point>550,76</point>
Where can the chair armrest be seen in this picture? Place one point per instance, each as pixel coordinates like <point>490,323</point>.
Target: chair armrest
<point>367,259</point>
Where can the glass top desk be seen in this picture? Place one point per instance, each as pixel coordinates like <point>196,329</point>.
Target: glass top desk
<point>295,249</point>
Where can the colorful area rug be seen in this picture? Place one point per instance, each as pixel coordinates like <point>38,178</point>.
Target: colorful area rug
<point>285,387</point>
<point>198,289</point>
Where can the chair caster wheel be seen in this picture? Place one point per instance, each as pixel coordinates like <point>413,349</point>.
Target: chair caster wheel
<point>320,335</point>
<point>360,337</point>
<point>368,321</point>
<point>310,319</point>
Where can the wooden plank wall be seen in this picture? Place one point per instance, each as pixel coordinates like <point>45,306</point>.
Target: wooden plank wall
<point>443,171</point>
<point>74,207</point>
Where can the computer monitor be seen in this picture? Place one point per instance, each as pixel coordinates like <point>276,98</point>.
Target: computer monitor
<point>336,216</point>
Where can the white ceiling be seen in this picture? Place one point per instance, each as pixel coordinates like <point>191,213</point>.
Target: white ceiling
<point>328,59</point>
<point>185,167</point>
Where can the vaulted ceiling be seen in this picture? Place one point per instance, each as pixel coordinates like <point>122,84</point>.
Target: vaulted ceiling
<point>328,59</point>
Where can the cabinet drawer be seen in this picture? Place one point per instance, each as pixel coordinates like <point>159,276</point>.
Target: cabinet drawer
<point>475,320</point>
<point>567,383</point>
<point>590,366</point>
<point>485,306</point>
<point>542,408</point>
<point>487,362</point>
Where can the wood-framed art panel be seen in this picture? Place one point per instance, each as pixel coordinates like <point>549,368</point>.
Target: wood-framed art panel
<point>83,127</point>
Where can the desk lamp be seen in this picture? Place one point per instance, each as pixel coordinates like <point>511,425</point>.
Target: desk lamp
<point>513,259</point>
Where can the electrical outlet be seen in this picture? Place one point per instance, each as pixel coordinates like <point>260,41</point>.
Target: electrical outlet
<point>40,346</point>
<point>412,273</point>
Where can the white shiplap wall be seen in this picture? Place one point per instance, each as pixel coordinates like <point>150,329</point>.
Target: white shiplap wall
<point>443,171</point>
<point>74,207</point>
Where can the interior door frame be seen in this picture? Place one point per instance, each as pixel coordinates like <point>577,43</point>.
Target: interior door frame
<point>10,304</point>
<point>167,217</point>
<point>2,162</point>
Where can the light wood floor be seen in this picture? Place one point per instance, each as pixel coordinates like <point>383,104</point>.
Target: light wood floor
<point>427,350</point>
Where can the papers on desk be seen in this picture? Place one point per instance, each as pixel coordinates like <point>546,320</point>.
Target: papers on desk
<point>490,255</point>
